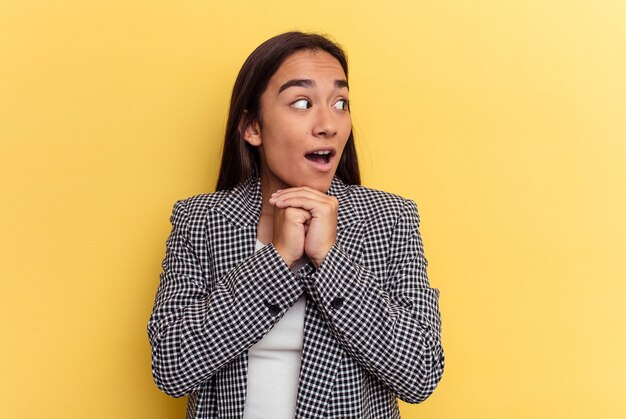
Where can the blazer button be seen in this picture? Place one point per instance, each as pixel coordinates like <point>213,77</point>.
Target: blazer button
<point>337,302</point>
<point>274,309</point>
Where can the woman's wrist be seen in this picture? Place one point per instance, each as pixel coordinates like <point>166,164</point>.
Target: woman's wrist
<point>289,261</point>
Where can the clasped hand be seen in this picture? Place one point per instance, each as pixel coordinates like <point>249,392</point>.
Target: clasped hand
<point>305,223</point>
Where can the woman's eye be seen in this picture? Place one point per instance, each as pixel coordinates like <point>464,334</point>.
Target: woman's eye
<point>342,104</point>
<point>302,104</point>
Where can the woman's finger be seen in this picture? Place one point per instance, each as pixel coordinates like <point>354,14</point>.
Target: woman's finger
<point>298,192</point>
<point>291,197</point>
<point>316,207</point>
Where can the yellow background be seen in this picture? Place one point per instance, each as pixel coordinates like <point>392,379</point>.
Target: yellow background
<point>504,120</point>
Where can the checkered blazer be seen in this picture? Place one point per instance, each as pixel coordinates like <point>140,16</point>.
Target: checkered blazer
<point>372,329</point>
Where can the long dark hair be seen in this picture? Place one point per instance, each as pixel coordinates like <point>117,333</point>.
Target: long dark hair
<point>240,160</point>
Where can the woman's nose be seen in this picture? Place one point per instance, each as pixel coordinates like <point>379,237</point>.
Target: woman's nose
<point>325,123</point>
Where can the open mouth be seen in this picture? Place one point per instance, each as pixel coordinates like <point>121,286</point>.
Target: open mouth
<point>321,157</point>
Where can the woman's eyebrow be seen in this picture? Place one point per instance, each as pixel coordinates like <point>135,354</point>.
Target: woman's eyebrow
<point>297,82</point>
<point>341,83</point>
<point>308,83</point>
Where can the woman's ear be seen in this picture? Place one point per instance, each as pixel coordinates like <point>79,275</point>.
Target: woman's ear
<point>250,130</point>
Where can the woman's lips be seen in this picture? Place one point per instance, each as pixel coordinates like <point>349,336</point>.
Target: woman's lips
<point>323,163</point>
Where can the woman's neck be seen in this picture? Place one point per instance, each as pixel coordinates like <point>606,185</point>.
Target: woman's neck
<point>269,185</point>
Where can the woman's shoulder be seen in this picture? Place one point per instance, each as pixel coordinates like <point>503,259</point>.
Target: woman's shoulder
<point>360,193</point>
<point>376,196</point>
<point>199,204</point>
<point>370,201</point>
<point>243,200</point>
<point>206,199</point>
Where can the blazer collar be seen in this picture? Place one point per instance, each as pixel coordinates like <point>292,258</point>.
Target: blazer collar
<point>242,204</point>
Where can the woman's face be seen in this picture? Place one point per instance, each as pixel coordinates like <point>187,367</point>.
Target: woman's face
<point>305,122</point>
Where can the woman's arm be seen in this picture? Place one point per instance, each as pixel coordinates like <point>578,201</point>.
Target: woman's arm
<point>393,331</point>
<point>195,331</point>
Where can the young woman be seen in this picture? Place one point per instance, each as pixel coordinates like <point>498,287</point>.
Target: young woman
<point>292,291</point>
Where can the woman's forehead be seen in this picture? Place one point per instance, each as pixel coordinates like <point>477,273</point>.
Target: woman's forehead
<point>308,64</point>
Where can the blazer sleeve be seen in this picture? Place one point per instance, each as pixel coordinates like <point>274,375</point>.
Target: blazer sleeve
<point>393,331</point>
<point>196,329</point>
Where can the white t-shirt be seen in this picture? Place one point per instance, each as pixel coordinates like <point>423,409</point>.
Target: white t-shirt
<point>274,365</point>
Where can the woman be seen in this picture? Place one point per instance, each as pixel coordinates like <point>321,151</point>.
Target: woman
<point>292,291</point>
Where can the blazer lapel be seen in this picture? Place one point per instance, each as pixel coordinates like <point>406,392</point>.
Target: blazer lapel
<point>348,213</point>
<point>242,205</point>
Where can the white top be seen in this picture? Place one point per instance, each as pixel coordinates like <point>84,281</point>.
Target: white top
<point>274,365</point>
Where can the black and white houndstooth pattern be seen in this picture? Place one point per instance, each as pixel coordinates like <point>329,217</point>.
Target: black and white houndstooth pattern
<point>372,326</point>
